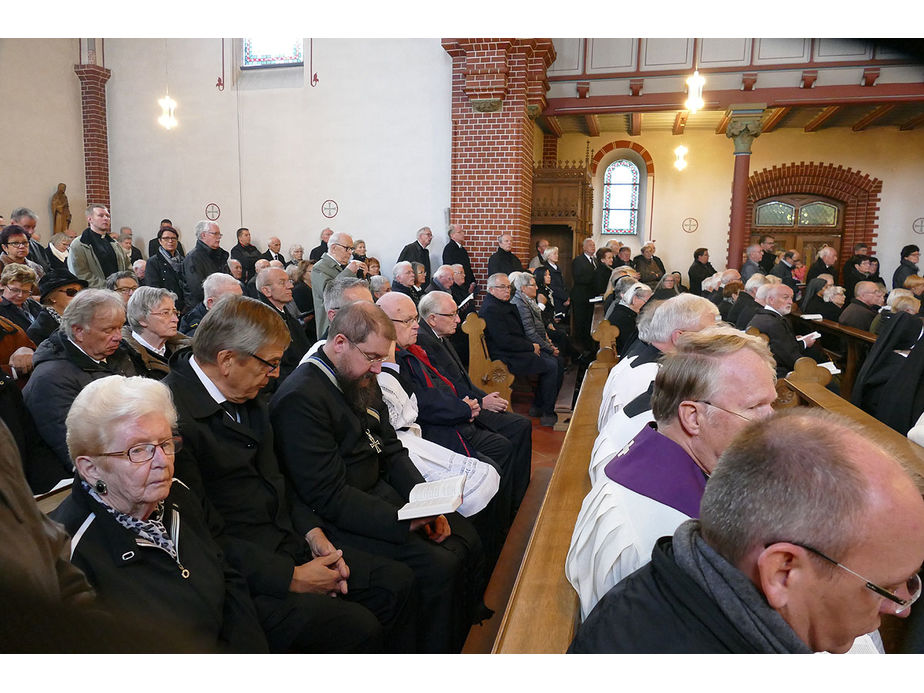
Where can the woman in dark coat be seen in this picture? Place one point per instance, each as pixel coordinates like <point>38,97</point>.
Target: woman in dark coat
<point>127,514</point>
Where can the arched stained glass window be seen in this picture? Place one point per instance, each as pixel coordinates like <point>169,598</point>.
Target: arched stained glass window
<point>274,52</point>
<point>620,198</point>
<point>818,214</point>
<point>775,214</point>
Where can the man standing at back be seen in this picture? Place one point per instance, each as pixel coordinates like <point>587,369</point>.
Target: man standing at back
<point>246,253</point>
<point>454,253</point>
<point>336,262</point>
<point>584,276</point>
<point>417,251</point>
<point>274,245</point>
<point>94,255</point>
<point>321,248</point>
<point>206,258</point>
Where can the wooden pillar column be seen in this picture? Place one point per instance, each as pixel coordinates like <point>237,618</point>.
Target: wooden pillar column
<point>743,127</point>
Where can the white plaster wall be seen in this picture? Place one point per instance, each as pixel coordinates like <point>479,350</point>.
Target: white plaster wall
<point>374,135</point>
<point>703,189</point>
<point>41,133</point>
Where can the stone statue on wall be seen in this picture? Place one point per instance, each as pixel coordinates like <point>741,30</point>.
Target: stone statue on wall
<point>60,210</point>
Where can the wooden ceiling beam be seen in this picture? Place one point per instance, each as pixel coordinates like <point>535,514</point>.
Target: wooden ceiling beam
<point>825,115</point>
<point>593,124</point>
<point>723,124</point>
<point>913,123</point>
<point>635,124</point>
<point>550,124</point>
<point>680,122</point>
<point>872,117</point>
<point>775,118</point>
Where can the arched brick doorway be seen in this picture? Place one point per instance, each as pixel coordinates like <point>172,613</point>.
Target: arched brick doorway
<point>859,194</point>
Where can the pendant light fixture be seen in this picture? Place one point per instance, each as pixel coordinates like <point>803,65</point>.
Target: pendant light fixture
<point>167,118</point>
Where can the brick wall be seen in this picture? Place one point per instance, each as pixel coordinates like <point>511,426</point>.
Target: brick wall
<point>93,80</point>
<point>859,193</point>
<point>549,149</point>
<point>498,85</point>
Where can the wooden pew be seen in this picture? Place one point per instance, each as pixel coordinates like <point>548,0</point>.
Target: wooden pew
<point>858,343</point>
<point>805,386</point>
<point>490,376</point>
<point>543,610</point>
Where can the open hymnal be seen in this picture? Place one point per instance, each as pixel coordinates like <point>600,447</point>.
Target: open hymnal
<point>829,366</point>
<point>466,300</point>
<point>812,335</point>
<point>433,498</point>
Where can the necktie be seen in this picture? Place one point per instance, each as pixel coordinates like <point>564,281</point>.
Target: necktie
<point>232,409</point>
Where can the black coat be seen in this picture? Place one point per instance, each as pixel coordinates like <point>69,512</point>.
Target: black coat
<point>659,609</point>
<point>211,604</point>
<point>15,315</point>
<point>904,270</point>
<point>584,279</point>
<point>819,267</point>
<point>455,254</point>
<point>42,328</point>
<point>504,261</point>
<point>297,348</point>
<point>743,310</point>
<point>784,272</point>
<point>268,255</point>
<point>158,272</point>
<point>414,252</point>
<point>698,272</point>
<point>318,251</point>
<point>504,333</point>
<point>784,346</point>
<point>326,450</point>
<point>199,264</point>
<point>190,321</point>
<point>247,256</point>
<point>625,319</point>
<point>60,372</point>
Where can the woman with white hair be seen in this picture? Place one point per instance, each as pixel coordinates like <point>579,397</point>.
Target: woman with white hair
<point>125,514</point>
<point>624,314</point>
<point>296,254</point>
<point>152,329</point>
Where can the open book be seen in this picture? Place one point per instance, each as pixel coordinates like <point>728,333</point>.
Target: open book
<point>433,498</point>
<point>465,300</point>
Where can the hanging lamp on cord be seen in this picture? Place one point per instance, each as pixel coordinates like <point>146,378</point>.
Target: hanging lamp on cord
<point>694,100</point>
<point>167,118</point>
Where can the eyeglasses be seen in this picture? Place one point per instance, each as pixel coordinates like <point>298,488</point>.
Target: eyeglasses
<point>168,238</point>
<point>70,291</point>
<point>18,292</point>
<point>912,584</point>
<point>370,359</point>
<point>144,452</point>
<point>345,247</point>
<point>502,288</point>
<point>166,313</point>
<point>217,234</point>
<point>17,244</point>
<point>271,366</point>
<point>413,320</point>
<point>446,315</point>
<point>127,289</point>
<point>729,411</point>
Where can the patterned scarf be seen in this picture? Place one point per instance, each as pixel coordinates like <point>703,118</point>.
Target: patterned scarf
<point>152,529</point>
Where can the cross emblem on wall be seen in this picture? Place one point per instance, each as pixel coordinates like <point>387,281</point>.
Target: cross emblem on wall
<point>329,209</point>
<point>918,225</point>
<point>212,212</point>
<point>689,225</point>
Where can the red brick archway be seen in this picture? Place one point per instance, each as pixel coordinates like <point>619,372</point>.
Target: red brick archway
<point>622,144</point>
<point>859,193</point>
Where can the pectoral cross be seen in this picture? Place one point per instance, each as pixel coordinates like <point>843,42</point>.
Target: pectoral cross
<point>373,442</point>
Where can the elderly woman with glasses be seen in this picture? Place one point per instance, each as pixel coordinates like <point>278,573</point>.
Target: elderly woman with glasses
<point>139,535</point>
<point>16,283</point>
<point>57,289</point>
<point>152,329</point>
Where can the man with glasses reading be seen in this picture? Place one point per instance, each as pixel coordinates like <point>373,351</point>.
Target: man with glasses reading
<point>336,262</point>
<point>705,392</point>
<point>808,534</point>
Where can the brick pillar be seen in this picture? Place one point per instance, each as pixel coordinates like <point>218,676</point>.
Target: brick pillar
<point>93,80</point>
<point>743,127</point>
<point>549,149</point>
<point>498,86</point>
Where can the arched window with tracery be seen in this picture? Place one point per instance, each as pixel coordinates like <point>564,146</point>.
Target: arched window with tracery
<point>621,184</point>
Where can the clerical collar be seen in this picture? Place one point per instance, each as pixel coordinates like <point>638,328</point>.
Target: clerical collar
<point>147,345</point>
<point>207,383</point>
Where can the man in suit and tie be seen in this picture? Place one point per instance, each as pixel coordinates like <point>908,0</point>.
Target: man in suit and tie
<point>417,251</point>
<point>454,253</point>
<point>336,262</point>
<point>772,321</point>
<point>272,251</point>
<point>583,273</point>
<point>783,269</point>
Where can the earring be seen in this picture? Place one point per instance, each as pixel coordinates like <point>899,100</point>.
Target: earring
<point>101,487</point>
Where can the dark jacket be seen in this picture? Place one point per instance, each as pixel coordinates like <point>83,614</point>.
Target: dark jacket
<point>60,372</point>
<point>318,251</point>
<point>697,272</point>
<point>247,256</point>
<point>767,261</point>
<point>190,321</point>
<point>504,261</point>
<point>503,332</point>
<point>268,255</point>
<point>153,364</point>
<point>659,609</point>
<point>904,270</point>
<point>651,270</point>
<point>625,319</point>
<point>42,328</point>
<point>784,346</point>
<point>158,272</point>
<point>326,451</point>
<point>199,264</point>
<point>743,310</point>
<point>414,252</point>
<point>14,314</point>
<point>784,272</point>
<point>130,574</point>
<point>857,314</point>
<point>819,267</point>
<point>297,348</point>
<point>455,254</point>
